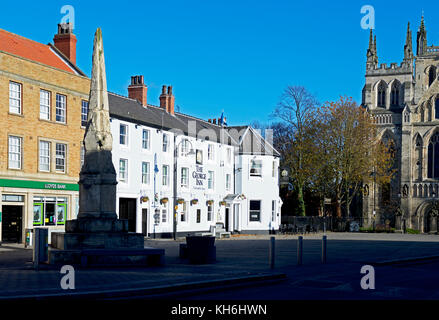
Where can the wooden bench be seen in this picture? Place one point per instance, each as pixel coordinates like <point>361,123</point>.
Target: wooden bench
<point>109,257</point>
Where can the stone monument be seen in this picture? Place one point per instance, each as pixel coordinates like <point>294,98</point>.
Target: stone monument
<point>97,236</point>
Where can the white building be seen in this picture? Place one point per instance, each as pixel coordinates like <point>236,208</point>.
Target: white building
<point>181,174</point>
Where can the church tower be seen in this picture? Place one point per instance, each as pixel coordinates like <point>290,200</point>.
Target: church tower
<point>408,47</point>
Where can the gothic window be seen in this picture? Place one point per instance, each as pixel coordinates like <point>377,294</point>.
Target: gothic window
<point>429,111</point>
<point>382,95</point>
<point>385,193</point>
<point>436,108</point>
<point>394,95</point>
<point>433,156</point>
<point>418,159</point>
<point>421,111</point>
<point>431,75</point>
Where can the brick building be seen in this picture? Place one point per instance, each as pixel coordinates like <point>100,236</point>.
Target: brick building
<point>43,100</point>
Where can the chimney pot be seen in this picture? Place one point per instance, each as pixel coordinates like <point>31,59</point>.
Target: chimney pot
<point>138,90</point>
<point>65,41</point>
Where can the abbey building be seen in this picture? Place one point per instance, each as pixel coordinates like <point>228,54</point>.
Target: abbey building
<point>404,102</point>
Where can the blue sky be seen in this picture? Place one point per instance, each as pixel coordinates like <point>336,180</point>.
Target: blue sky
<point>235,56</point>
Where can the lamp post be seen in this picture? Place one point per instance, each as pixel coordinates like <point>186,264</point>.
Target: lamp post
<point>187,153</point>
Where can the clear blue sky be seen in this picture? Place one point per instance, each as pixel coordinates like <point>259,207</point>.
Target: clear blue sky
<point>235,56</point>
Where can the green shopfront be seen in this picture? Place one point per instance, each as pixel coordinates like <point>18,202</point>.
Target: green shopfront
<point>26,204</point>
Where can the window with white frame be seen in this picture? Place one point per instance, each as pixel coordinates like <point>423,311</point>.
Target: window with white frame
<point>145,139</point>
<point>256,168</point>
<point>273,210</point>
<point>14,97</point>
<point>123,170</point>
<point>184,207</point>
<point>82,155</point>
<point>210,152</point>
<point>123,134</point>
<point>44,156</point>
<point>165,175</point>
<point>165,143</point>
<point>209,212</point>
<point>145,173</point>
<point>164,212</point>
<point>273,173</point>
<point>44,105</point>
<point>210,179</point>
<point>255,210</point>
<point>84,113</point>
<point>60,157</point>
<point>185,177</point>
<point>14,152</point>
<point>229,155</point>
<point>184,147</point>
<point>228,181</point>
<point>61,108</point>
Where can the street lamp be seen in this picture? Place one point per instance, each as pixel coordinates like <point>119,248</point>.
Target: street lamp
<point>189,152</point>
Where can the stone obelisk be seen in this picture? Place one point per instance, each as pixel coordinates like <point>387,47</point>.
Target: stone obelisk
<point>97,225</point>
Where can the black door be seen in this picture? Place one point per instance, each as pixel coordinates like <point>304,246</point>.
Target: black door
<point>12,223</point>
<point>145,222</point>
<point>127,211</point>
<point>227,219</point>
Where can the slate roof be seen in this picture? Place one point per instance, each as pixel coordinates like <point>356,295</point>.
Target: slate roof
<point>131,110</point>
<point>35,51</point>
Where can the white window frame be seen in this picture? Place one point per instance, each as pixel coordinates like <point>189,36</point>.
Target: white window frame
<point>165,145</point>
<point>84,115</point>
<point>229,155</point>
<point>250,211</point>
<point>44,154</point>
<point>184,212</point>
<point>146,180</point>
<point>123,136</point>
<point>15,148</point>
<point>146,139</point>
<point>61,157</point>
<point>61,108</point>
<point>209,212</point>
<point>164,213</point>
<point>211,180</point>
<point>257,173</point>
<point>15,97</point>
<point>210,152</point>
<point>44,104</point>
<point>165,175</point>
<point>123,174</point>
<point>228,181</point>
<point>184,181</point>
<point>184,147</point>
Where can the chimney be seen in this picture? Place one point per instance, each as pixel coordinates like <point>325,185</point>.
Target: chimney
<point>167,99</point>
<point>209,120</point>
<point>65,41</point>
<point>138,90</point>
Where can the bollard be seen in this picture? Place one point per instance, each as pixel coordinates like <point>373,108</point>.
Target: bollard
<point>324,249</point>
<point>271,256</point>
<point>299,250</point>
<point>324,227</point>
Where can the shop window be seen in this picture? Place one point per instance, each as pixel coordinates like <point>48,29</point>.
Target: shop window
<point>49,211</point>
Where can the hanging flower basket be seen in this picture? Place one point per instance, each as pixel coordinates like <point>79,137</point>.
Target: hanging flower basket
<point>194,201</point>
<point>144,199</point>
<point>180,201</point>
<point>222,203</point>
<point>243,197</point>
<point>209,202</point>
<point>164,200</point>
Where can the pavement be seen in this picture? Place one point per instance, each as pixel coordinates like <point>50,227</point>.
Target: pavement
<point>405,267</point>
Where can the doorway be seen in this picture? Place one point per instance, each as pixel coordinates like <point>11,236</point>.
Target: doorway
<point>12,217</point>
<point>145,222</point>
<point>227,219</point>
<point>127,211</point>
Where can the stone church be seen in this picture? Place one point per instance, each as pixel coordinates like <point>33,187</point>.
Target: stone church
<point>404,103</point>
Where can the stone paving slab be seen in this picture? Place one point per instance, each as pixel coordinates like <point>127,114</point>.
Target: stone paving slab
<point>242,258</point>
